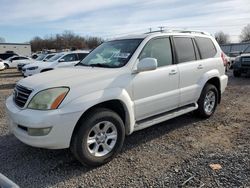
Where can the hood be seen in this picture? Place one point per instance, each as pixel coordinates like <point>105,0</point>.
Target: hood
<point>39,64</point>
<point>78,77</point>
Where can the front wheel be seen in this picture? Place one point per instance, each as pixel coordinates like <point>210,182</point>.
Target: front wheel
<point>6,66</point>
<point>208,101</point>
<point>99,138</point>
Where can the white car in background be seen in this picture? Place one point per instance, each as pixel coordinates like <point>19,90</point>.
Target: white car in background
<point>2,66</point>
<point>13,61</point>
<point>63,59</point>
<point>40,58</point>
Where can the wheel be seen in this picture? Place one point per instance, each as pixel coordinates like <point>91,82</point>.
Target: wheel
<point>237,73</point>
<point>208,101</point>
<point>6,66</point>
<point>99,138</point>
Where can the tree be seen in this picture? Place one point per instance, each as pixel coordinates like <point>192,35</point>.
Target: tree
<point>2,39</point>
<point>66,40</point>
<point>222,38</point>
<point>245,34</point>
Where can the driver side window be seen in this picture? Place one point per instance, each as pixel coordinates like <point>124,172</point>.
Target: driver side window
<point>69,57</point>
<point>160,49</point>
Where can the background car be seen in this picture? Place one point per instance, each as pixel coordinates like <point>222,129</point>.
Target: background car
<point>2,66</point>
<point>13,61</point>
<point>40,58</point>
<point>63,59</point>
<point>7,55</point>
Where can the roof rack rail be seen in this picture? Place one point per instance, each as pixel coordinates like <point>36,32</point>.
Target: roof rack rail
<point>191,31</point>
<point>179,31</point>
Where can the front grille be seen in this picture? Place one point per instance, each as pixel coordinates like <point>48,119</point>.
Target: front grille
<point>245,61</point>
<point>21,95</point>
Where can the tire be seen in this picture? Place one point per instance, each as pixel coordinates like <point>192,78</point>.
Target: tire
<point>45,70</point>
<point>95,154</point>
<point>237,73</point>
<point>6,66</point>
<point>202,111</point>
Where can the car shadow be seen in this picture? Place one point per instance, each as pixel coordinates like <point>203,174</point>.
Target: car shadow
<point>46,168</point>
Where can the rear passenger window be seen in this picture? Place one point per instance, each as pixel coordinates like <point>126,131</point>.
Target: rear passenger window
<point>206,46</point>
<point>159,49</point>
<point>184,49</point>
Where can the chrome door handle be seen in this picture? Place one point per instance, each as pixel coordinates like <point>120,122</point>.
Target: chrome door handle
<point>173,72</point>
<point>200,67</point>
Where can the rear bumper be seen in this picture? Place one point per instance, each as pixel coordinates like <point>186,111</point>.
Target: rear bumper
<point>223,81</point>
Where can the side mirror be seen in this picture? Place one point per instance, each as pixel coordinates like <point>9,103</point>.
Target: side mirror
<point>61,60</point>
<point>147,64</point>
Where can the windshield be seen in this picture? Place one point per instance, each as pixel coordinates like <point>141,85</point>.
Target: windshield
<point>48,57</point>
<point>40,57</point>
<point>55,57</point>
<point>112,54</point>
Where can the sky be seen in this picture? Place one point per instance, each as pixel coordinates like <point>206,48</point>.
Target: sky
<point>21,20</point>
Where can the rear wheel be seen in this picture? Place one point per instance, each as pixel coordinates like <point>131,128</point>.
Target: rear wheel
<point>99,138</point>
<point>237,73</point>
<point>208,101</point>
<point>6,66</point>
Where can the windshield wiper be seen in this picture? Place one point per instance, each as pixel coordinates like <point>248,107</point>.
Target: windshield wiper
<point>100,65</point>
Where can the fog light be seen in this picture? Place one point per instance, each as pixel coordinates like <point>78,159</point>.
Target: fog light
<point>38,131</point>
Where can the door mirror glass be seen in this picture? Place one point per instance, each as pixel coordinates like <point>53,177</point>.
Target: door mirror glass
<point>146,64</point>
<point>61,60</point>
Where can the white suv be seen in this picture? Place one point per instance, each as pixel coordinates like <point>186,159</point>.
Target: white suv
<point>63,59</point>
<point>122,86</point>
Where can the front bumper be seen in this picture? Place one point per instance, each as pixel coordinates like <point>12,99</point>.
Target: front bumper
<point>62,124</point>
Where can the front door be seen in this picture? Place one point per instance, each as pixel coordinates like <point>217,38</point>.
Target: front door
<point>156,91</point>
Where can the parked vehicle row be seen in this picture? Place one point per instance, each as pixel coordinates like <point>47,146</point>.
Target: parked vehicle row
<point>122,86</point>
<point>63,59</point>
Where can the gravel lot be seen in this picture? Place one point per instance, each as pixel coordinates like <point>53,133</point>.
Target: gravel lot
<point>176,153</point>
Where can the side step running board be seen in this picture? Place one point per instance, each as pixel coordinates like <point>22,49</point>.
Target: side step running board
<point>164,116</point>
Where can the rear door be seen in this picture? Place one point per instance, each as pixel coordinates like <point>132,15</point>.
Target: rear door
<point>191,69</point>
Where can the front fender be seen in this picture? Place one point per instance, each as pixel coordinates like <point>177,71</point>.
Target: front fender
<point>83,103</point>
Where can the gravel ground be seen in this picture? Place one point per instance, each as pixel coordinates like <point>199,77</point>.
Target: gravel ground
<point>176,153</point>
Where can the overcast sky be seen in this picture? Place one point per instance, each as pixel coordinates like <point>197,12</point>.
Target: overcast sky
<point>21,20</point>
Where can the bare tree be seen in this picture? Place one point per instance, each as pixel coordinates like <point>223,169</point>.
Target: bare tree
<point>2,39</point>
<point>245,34</point>
<point>66,40</point>
<point>222,38</point>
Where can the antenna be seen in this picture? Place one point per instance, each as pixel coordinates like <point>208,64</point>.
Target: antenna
<point>161,28</point>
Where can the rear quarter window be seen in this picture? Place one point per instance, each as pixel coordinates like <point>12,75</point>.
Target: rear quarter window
<point>206,47</point>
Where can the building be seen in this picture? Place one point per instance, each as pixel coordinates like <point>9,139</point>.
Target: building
<point>236,47</point>
<point>18,48</point>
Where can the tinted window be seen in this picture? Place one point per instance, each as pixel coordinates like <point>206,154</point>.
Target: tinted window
<point>81,56</point>
<point>70,57</point>
<point>159,49</point>
<point>206,46</point>
<point>184,49</point>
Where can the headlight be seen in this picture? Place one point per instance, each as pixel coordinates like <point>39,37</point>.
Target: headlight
<point>48,99</point>
<point>32,68</point>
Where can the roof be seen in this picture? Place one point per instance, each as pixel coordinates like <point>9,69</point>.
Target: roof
<point>4,43</point>
<point>165,33</point>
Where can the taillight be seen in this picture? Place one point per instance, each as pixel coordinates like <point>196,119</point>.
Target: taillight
<point>223,57</point>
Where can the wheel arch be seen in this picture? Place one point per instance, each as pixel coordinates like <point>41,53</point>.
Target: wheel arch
<point>115,105</point>
<point>216,82</point>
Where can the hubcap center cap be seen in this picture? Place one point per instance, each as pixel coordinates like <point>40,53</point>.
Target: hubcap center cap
<point>101,137</point>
